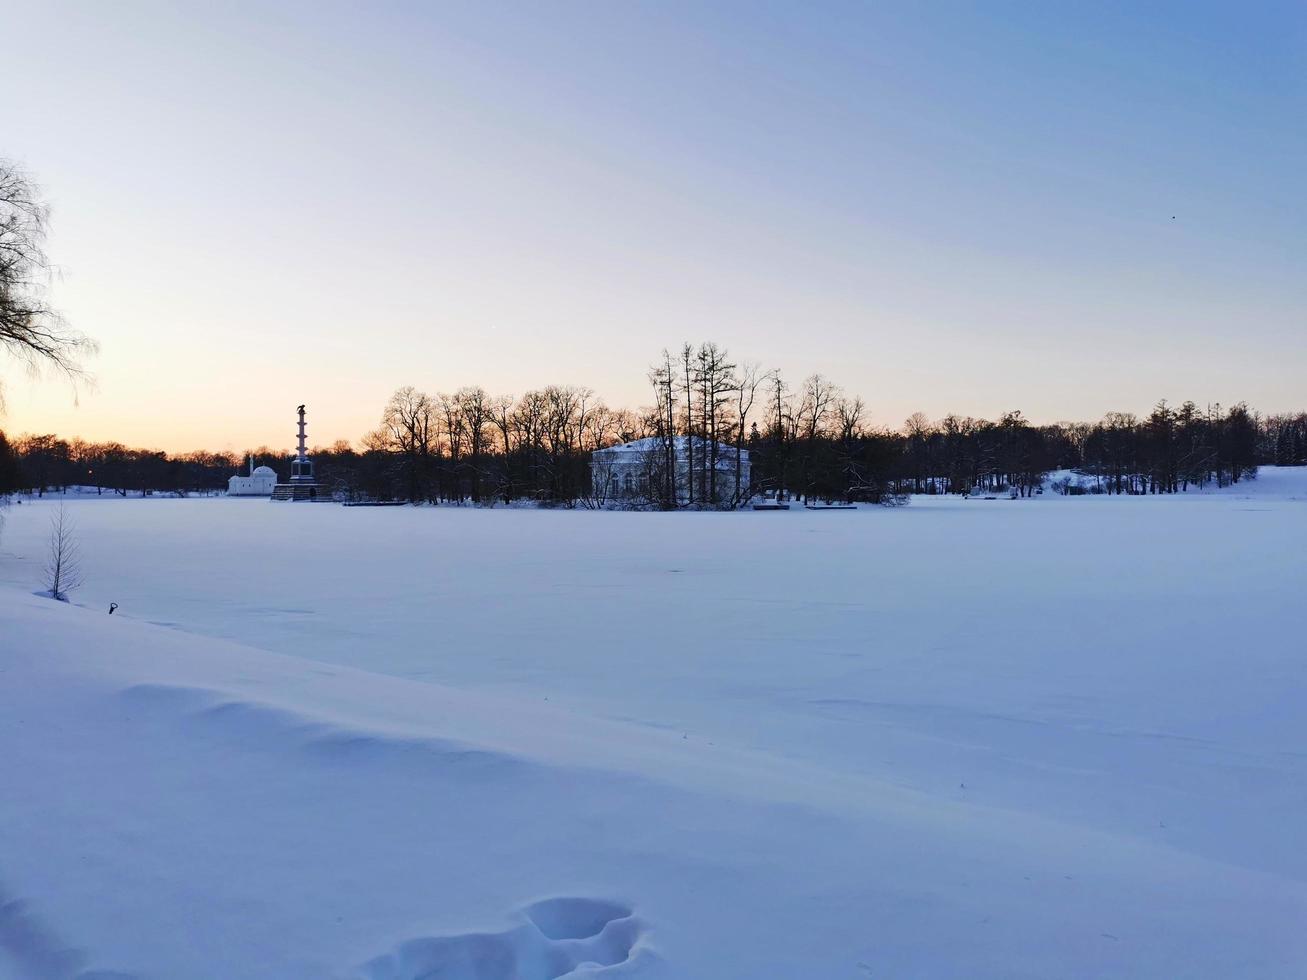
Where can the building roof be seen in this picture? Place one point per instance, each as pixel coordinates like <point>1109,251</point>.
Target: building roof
<point>655,443</point>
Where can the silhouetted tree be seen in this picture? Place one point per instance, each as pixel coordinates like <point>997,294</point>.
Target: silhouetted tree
<point>30,330</point>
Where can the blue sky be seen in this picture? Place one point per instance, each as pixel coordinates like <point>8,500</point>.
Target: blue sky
<point>941,206</point>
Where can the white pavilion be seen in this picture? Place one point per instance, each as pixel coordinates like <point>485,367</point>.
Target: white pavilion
<point>629,469</point>
<point>259,483</point>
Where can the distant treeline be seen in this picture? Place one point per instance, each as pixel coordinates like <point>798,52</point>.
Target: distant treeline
<point>810,442</point>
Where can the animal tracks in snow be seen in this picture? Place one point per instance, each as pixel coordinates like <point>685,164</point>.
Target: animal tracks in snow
<point>571,938</point>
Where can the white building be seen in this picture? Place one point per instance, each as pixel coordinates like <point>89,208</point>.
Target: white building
<point>259,483</point>
<point>636,470</point>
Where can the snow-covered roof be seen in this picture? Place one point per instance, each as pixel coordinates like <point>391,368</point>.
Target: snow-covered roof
<point>264,471</point>
<point>654,443</point>
<point>634,446</point>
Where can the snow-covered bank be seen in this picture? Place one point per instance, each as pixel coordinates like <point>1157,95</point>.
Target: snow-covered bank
<point>1279,482</point>
<point>1056,738</point>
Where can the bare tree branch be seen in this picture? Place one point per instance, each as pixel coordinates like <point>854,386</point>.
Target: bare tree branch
<point>30,330</point>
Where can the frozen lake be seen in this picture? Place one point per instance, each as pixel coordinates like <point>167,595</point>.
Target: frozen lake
<point>1128,667</point>
<point>1014,646</point>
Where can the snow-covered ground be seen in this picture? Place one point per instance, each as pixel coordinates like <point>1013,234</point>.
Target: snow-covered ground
<point>1055,738</point>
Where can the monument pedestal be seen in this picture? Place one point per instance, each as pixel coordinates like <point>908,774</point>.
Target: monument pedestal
<point>298,491</point>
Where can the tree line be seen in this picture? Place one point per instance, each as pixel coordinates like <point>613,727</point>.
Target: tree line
<point>809,441</point>
<point>812,440</point>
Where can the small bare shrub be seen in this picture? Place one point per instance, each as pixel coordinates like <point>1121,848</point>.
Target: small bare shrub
<point>63,567</point>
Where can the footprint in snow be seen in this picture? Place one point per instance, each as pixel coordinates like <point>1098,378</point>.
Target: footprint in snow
<point>558,938</point>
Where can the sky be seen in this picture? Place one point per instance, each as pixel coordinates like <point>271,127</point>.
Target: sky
<point>1065,209</point>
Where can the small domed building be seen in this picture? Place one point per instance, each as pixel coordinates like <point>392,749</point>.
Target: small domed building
<point>259,483</point>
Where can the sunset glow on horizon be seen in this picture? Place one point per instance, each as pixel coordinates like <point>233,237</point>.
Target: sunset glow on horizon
<point>941,208</point>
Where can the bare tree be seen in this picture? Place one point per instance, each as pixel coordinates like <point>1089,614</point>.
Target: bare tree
<point>688,380</point>
<point>717,381</point>
<point>476,409</point>
<point>918,430</point>
<point>528,420</point>
<point>30,330</point>
<point>408,425</point>
<point>63,567</point>
<point>601,424</point>
<point>628,426</point>
<point>453,426</point>
<point>501,417</point>
<point>746,392</point>
<point>818,396</point>
<point>848,416</point>
<point>604,486</point>
<point>662,377</point>
<point>781,418</point>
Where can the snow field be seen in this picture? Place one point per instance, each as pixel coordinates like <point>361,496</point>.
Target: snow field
<point>1054,738</point>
